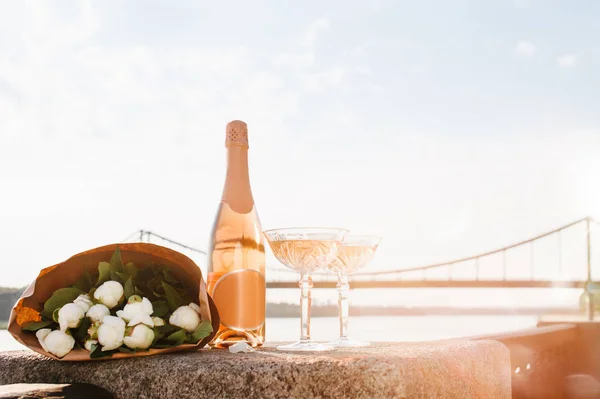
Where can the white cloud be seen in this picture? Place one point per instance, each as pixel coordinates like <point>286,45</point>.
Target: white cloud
<point>302,66</point>
<point>525,48</point>
<point>567,61</point>
<point>357,51</point>
<point>310,36</point>
<point>361,70</point>
<point>521,3</point>
<point>304,58</point>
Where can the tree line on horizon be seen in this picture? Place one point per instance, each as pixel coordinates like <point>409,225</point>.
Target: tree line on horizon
<point>8,297</point>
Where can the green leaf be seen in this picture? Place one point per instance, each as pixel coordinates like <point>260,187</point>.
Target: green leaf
<point>202,331</point>
<point>167,329</point>
<point>61,297</point>
<point>173,298</point>
<point>159,294</point>
<point>80,332</point>
<point>168,276</point>
<point>85,282</point>
<point>37,325</point>
<point>162,345</point>
<point>103,273</point>
<point>55,315</point>
<point>123,276</point>
<point>156,269</point>
<point>125,349</point>
<point>128,288</point>
<point>176,338</point>
<point>97,352</point>
<point>114,276</point>
<point>161,308</point>
<point>162,331</point>
<point>116,264</point>
<point>145,274</point>
<point>131,269</point>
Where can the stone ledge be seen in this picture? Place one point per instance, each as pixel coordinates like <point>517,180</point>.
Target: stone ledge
<point>449,369</point>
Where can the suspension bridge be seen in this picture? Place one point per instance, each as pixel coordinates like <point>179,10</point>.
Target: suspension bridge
<point>519,265</point>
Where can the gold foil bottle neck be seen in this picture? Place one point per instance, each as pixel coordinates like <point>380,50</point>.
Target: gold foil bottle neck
<point>236,134</point>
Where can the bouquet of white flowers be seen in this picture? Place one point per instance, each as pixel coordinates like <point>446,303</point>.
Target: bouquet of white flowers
<point>143,306</point>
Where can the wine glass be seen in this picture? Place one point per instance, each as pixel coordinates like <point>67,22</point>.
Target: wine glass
<point>305,250</point>
<point>355,253</point>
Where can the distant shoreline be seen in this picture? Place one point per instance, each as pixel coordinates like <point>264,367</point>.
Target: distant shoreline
<point>288,310</point>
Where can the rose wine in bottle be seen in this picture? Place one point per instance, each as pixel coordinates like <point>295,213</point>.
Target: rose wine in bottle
<point>236,255</point>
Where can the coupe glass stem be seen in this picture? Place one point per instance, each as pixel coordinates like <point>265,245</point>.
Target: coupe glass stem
<point>343,289</point>
<point>306,285</point>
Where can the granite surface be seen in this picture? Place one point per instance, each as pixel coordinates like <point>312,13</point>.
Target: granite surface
<point>451,369</point>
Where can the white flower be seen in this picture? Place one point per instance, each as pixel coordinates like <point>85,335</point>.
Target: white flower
<point>84,302</point>
<point>59,343</point>
<point>111,332</point>
<point>69,316</point>
<point>195,307</point>
<point>109,293</point>
<point>185,317</point>
<point>158,321</point>
<point>88,343</point>
<point>141,318</point>
<point>97,312</point>
<point>135,306</point>
<point>140,337</point>
<point>41,336</point>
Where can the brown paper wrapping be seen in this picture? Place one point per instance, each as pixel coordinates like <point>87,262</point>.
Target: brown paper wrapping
<point>31,302</point>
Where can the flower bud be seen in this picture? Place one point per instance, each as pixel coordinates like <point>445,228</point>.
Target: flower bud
<point>141,318</point>
<point>140,337</point>
<point>111,332</point>
<point>134,299</point>
<point>69,316</point>
<point>135,307</point>
<point>109,293</point>
<point>97,312</point>
<point>88,344</point>
<point>59,343</point>
<point>185,317</point>
<point>158,321</point>
<point>93,330</point>
<point>41,335</point>
<point>195,307</point>
<point>84,302</point>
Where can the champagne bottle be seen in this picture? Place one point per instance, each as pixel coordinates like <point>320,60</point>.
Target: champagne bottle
<point>236,256</point>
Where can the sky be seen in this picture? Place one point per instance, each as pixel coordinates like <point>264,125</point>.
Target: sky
<point>446,127</point>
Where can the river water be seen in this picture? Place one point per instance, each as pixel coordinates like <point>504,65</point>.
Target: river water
<point>377,328</point>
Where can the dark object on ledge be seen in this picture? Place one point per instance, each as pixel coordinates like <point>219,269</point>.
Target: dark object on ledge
<point>66,391</point>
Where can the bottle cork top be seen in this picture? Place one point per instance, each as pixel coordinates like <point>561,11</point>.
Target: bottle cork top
<point>237,134</point>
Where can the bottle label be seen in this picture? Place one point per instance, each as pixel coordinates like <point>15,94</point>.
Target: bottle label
<point>239,297</point>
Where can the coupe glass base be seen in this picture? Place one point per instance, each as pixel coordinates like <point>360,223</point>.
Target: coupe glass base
<point>348,343</point>
<point>305,346</point>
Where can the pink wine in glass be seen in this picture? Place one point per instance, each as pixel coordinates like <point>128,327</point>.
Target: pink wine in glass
<point>305,250</point>
<point>355,253</point>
